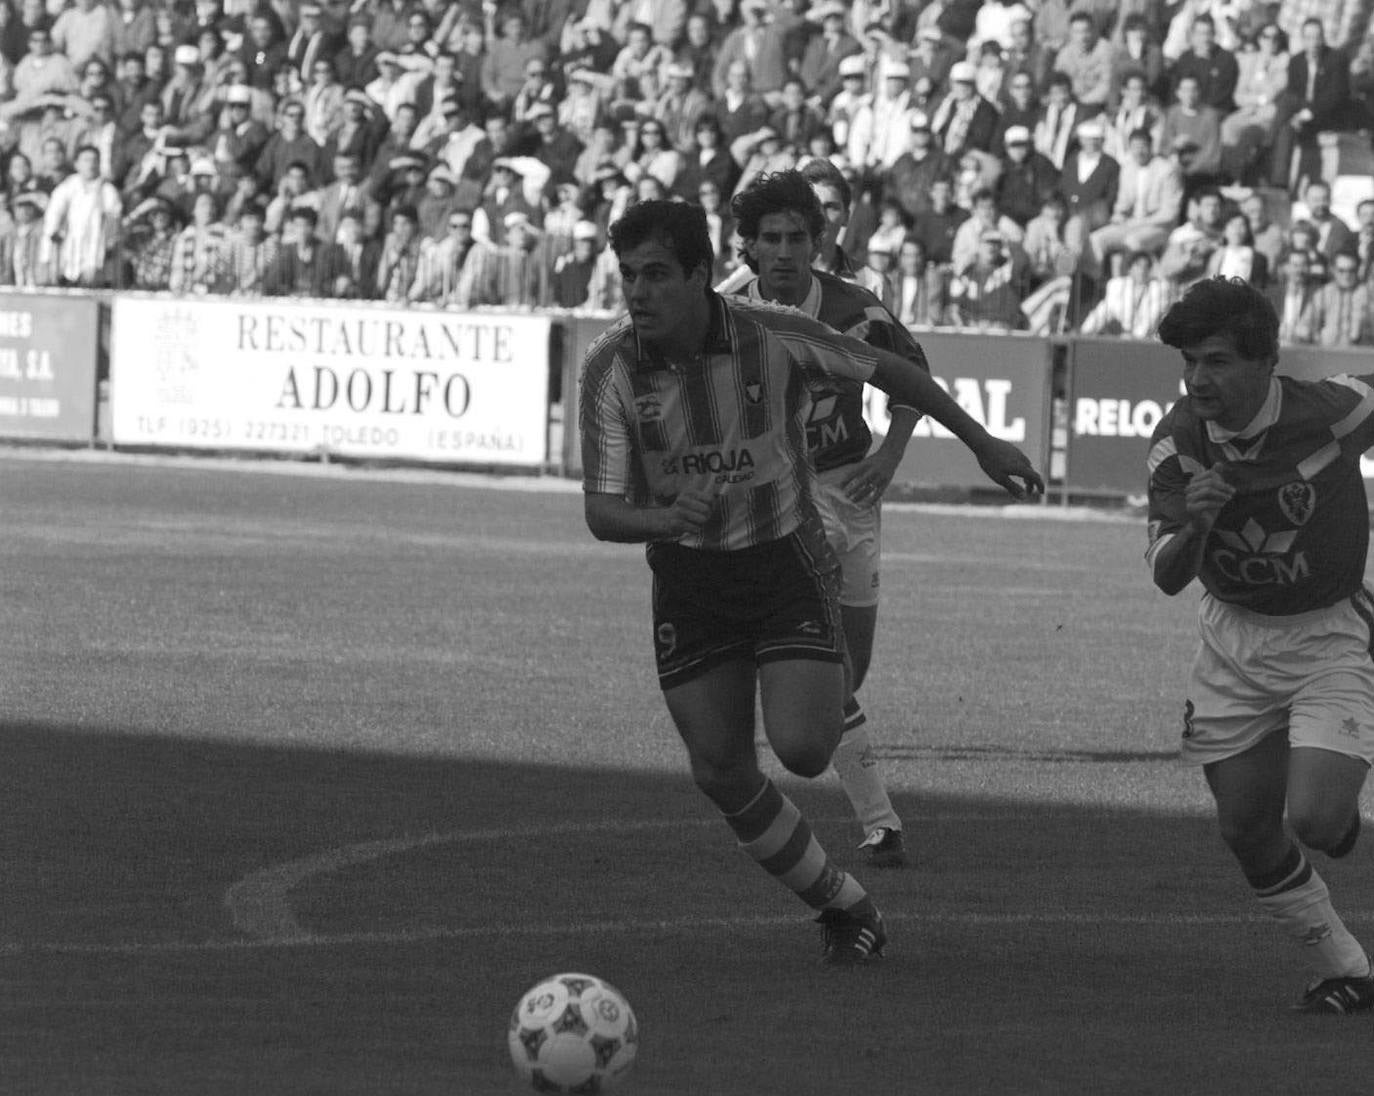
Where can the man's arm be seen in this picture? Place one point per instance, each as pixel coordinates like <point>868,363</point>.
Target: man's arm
<point>615,518</point>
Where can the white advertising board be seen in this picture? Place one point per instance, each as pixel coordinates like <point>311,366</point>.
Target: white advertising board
<point>316,377</point>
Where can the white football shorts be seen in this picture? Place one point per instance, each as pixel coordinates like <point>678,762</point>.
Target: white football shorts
<point>853,531</point>
<point>1310,673</point>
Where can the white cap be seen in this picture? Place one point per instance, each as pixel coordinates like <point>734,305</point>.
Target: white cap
<point>853,65</point>
<point>585,230</point>
<point>186,55</point>
<point>962,72</point>
<point>1017,135</point>
<point>897,70</point>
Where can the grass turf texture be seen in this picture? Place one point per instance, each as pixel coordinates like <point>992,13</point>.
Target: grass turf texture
<point>210,674</point>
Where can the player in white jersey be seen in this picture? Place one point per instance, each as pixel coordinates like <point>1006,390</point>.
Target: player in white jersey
<point>1255,490</point>
<point>783,225</point>
<point>692,420</point>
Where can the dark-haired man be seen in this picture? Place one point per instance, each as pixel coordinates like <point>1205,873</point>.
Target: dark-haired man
<point>1255,491</point>
<point>693,417</point>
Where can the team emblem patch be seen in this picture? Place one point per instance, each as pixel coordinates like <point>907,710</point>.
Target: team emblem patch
<point>753,392</point>
<point>1297,500</point>
<point>648,408</point>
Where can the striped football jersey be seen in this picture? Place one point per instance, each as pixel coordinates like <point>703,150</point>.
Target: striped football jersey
<point>732,421</point>
<point>1295,535</point>
<point>836,431</point>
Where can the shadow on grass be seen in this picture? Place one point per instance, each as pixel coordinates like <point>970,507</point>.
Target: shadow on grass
<point>1036,948</point>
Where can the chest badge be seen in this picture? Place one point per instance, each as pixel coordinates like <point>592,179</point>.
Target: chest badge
<point>1297,501</point>
<point>753,392</point>
<point>648,408</point>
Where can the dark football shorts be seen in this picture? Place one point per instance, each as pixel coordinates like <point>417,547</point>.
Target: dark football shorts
<point>769,602</point>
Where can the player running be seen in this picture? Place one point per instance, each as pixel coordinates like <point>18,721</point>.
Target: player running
<point>780,219</point>
<point>694,441</point>
<point>1255,489</point>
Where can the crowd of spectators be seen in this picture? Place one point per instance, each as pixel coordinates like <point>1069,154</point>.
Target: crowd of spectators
<point>1044,165</point>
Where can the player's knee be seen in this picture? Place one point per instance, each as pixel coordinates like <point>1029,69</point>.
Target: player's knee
<point>724,782</point>
<point>808,759</point>
<point>1319,826</point>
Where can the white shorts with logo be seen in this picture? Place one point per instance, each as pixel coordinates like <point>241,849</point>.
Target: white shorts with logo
<point>1310,673</point>
<point>853,531</point>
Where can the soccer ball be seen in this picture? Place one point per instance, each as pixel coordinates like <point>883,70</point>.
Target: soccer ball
<point>573,1033</point>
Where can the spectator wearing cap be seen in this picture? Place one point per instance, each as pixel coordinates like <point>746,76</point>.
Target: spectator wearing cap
<point>200,260</point>
<point>584,106</point>
<point>760,44</point>
<point>557,148</point>
<point>503,70</point>
<point>1053,132</point>
<point>148,244</point>
<point>503,196</point>
<point>680,106</point>
<point>358,134</point>
<point>994,22</point>
<point>263,52</point>
<point>760,153</point>
<point>851,97</point>
<point>24,266</point>
<point>81,226</point>
<point>239,139</point>
<point>399,265</point>
<point>876,273</point>
<point>910,179</point>
<point>1090,64</point>
<point>881,128</point>
<point>1192,130</point>
<point>932,56</point>
<point>1148,204</point>
<point>987,292</point>
<point>964,120</point>
<point>825,49</point>
<point>405,180</point>
<point>739,109</point>
<point>1089,181</point>
<point>186,98</point>
<point>439,199</point>
<point>1027,178</point>
<point>394,87</point>
<point>290,144</point>
<point>522,268</point>
<point>323,101</point>
<point>356,63</point>
<point>571,279</point>
<point>85,30</point>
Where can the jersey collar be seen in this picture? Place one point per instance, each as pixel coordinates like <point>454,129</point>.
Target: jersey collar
<point>811,304</point>
<point>719,336</point>
<point>1265,417</point>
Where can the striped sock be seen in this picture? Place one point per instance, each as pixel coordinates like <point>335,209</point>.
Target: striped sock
<point>774,833</point>
<point>1295,896</point>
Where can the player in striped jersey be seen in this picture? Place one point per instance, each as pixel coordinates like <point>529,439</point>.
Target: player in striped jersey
<point>1255,490</point>
<point>782,223</point>
<point>693,428</point>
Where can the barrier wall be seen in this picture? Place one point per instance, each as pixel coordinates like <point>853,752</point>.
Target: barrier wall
<point>1120,389</point>
<point>321,378</point>
<point>48,366</point>
<point>374,382</point>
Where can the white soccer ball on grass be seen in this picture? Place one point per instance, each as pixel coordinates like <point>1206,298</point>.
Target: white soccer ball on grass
<point>573,1033</point>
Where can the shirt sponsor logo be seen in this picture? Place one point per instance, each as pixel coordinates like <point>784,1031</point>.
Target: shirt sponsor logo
<point>1253,557</point>
<point>709,462</point>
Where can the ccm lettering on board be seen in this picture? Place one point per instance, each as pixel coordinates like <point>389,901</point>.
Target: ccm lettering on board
<point>416,384</point>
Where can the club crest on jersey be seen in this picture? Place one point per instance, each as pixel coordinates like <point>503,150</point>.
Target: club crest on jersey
<point>649,408</point>
<point>753,392</point>
<point>1297,500</point>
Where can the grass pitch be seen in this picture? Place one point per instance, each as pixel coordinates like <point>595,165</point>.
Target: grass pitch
<point>307,777</point>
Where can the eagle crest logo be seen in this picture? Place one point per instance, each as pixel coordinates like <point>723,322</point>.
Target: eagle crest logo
<point>1297,500</point>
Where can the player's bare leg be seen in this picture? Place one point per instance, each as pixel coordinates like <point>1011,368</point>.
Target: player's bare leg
<point>714,714</point>
<point>858,770</point>
<point>1252,791</point>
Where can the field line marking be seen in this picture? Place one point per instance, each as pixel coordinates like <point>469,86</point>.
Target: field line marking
<point>630,925</point>
<point>259,905</point>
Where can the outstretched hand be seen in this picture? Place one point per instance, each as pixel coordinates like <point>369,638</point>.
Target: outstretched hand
<point>1005,465</point>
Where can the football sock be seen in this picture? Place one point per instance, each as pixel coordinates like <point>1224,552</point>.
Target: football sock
<point>860,775</point>
<point>1295,896</point>
<point>774,833</point>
